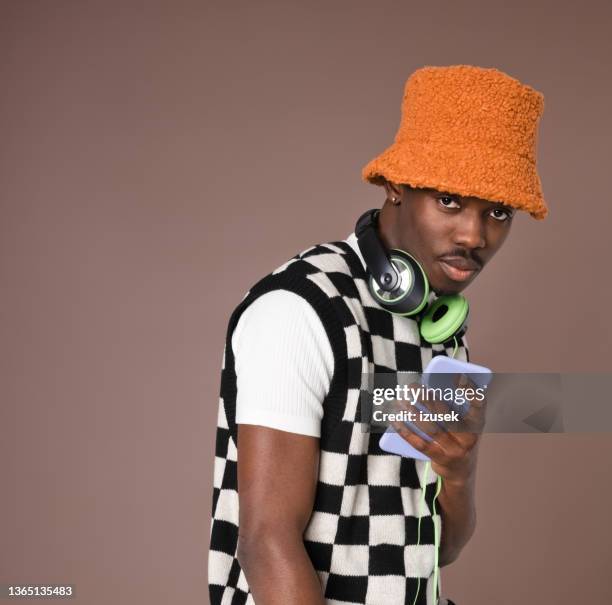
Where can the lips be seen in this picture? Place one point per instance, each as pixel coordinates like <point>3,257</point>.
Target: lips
<point>461,263</point>
<point>459,269</point>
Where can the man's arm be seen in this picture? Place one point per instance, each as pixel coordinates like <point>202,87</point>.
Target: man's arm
<point>458,512</point>
<point>277,478</point>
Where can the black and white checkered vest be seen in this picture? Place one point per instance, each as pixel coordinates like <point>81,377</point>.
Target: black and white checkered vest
<point>362,535</point>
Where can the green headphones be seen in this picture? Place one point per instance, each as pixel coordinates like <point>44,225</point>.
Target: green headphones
<point>398,284</point>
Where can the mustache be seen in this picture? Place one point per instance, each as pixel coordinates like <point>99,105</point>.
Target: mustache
<point>465,254</point>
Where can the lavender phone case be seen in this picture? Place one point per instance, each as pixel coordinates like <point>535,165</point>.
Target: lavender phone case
<point>441,364</point>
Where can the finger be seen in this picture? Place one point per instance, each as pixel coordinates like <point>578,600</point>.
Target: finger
<point>426,420</point>
<point>474,419</point>
<point>466,441</point>
<point>437,416</point>
<point>472,391</point>
<point>443,449</point>
<point>425,415</point>
<point>432,416</point>
<point>429,448</point>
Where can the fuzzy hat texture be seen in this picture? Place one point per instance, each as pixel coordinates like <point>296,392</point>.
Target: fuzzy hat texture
<point>467,130</point>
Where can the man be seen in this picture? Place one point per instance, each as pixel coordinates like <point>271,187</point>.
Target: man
<point>307,509</point>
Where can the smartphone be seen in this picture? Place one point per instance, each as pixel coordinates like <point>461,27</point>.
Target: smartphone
<point>439,373</point>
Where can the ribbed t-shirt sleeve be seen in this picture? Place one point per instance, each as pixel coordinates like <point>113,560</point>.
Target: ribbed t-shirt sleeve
<point>284,364</point>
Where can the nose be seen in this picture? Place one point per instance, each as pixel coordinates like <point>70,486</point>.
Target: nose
<point>470,231</point>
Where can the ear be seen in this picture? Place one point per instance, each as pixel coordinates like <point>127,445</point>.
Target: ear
<point>393,191</point>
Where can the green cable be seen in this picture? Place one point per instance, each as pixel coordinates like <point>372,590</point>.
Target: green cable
<point>419,525</point>
<point>438,488</point>
<point>436,540</point>
<point>436,537</point>
<point>436,544</point>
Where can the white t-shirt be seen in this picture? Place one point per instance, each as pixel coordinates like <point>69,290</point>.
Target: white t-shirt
<point>284,362</point>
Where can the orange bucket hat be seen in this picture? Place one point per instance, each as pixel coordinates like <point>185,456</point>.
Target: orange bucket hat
<point>467,130</point>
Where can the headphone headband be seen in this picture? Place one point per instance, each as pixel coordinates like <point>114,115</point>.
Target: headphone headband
<point>373,251</point>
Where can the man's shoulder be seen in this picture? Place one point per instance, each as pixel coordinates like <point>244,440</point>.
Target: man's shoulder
<point>324,257</point>
<point>317,274</point>
<point>315,265</point>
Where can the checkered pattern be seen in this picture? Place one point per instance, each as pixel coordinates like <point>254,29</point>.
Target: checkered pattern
<point>362,534</point>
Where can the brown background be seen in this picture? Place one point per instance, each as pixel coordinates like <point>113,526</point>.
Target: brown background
<point>159,157</point>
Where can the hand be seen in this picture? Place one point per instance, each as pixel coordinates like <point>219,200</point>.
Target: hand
<point>453,453</point>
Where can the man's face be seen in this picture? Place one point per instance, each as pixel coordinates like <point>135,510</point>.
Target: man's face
<point>453,237</point>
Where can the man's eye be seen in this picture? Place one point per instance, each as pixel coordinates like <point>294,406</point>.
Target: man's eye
<point>446,200</point>
<point>503,215</point>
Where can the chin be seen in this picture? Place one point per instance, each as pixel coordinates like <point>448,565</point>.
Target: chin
<point>448,289</point>
<point>442,285</point>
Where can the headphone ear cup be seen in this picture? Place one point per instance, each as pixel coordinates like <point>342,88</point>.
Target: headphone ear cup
<point>412,293</point>
<point>446,318</point>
